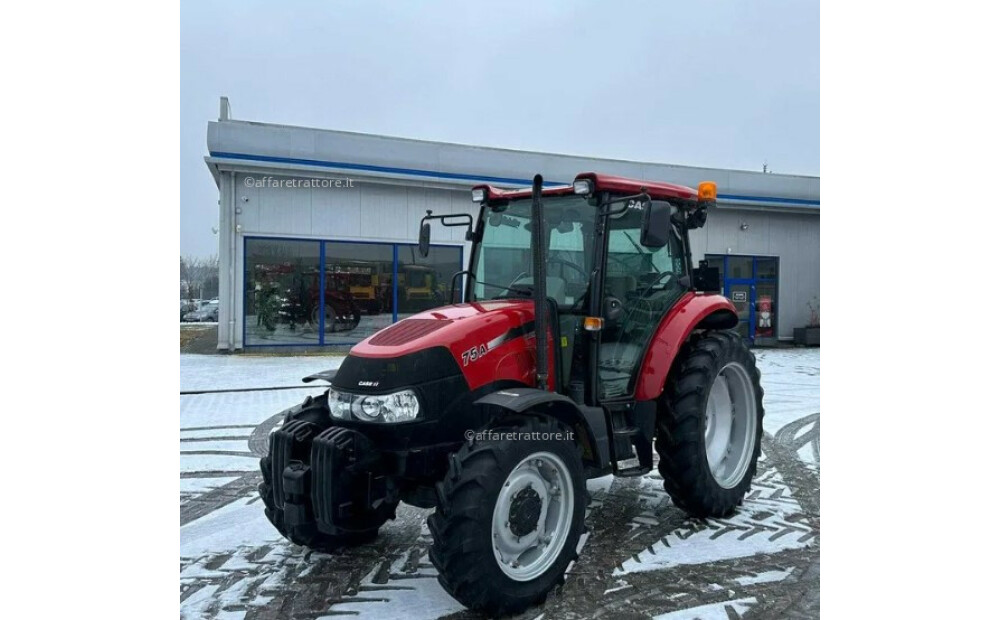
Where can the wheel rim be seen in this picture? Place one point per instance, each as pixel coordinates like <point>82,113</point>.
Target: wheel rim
<point>730,425</point>
<point>334,322</point>
<point>532,516</point>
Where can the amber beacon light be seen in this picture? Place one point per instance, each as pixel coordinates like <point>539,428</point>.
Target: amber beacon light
<point>706,191</point>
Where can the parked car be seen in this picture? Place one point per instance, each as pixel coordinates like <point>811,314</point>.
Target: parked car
<point>189,305</point>
<point>207,313</point>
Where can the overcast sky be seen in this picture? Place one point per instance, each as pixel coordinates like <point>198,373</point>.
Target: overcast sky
<point>718,84</point>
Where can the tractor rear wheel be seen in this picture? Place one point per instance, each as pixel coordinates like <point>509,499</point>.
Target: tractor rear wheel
<point>709,425</point>
<point>509,517</point>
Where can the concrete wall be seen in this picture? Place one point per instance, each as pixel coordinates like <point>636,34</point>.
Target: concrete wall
<point>368,211</point>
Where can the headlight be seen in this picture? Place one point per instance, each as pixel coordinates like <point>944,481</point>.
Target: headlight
<point>583,187</point>
<point>388,408</point>
<point>340,404</point>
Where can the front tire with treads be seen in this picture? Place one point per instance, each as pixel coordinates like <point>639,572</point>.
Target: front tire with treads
<point>501,505</point>
<point>709,424</point>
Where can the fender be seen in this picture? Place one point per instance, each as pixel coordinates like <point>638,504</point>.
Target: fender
<point>326,375</point>
<point>692,311</point>
<point>564,409</point>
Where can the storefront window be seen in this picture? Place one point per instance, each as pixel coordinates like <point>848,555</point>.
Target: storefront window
<point>278,306</point>
<point>767,268</point>
<point>361,294</point>
<point>425,283</point>
<point>358,299</point>
<point>740,267</point>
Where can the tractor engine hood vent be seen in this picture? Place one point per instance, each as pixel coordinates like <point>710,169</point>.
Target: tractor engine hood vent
<point>406,331</point>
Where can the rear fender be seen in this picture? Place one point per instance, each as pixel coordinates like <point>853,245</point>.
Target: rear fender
<point>525,400</point>
<point>690,313</point>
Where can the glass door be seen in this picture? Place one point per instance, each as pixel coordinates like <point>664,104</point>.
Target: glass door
<point>751,283</point>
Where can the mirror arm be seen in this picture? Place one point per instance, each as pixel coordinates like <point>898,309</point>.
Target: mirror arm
<point>464,220</point>
<point>450,220</point>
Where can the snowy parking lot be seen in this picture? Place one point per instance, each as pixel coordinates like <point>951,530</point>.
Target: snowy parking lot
<point>642,557</point>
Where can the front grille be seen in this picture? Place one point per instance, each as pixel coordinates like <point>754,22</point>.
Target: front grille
<point>406,330</point>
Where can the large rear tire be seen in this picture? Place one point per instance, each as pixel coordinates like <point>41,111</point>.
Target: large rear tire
<point>509,517</point>
<point>710,421</point>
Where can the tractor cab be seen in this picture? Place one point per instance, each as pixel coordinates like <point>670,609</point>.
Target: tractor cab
<point>615,259</point>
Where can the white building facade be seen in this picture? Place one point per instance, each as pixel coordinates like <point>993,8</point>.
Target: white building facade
<point>318,230</point>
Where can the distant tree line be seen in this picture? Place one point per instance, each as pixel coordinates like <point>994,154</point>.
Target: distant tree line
<point>199,277</point>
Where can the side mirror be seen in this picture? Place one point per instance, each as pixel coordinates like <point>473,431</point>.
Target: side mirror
<point>655,224</point>
<point>424,245</point>
<point>706,279</point>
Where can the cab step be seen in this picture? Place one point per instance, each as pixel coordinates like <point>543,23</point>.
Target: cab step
<point>633,472</point>
<point>630,468</point>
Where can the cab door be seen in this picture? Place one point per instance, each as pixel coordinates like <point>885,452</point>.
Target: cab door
<point>646,282</point>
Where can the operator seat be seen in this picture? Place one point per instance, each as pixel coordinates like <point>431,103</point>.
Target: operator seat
<point>619,286</point>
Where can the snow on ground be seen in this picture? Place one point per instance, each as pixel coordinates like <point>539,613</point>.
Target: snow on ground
<point>195,463</point>
<point>765,577</point>
<point>234,562</point>
<point>237,524</point>
<point>713,611</point>
<point>767,522</point>
<point>790,379</point>
<point>419,597</point>
<point>238,408</point>
<point>197,486</point>
<point>220,372</point>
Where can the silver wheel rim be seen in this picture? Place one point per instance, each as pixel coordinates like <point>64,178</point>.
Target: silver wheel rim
<point>730,425</point>
<point>543,481</point>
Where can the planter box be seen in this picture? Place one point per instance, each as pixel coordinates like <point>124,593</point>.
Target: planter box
<point>808,336</point>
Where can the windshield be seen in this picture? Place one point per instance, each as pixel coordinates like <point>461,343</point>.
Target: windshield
<point>504,260</point>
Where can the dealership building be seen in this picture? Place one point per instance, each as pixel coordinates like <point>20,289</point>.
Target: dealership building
<point>318,230</point>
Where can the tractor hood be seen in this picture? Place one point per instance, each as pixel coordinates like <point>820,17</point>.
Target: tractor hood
<point>485,341</point>
<point>458,327</point>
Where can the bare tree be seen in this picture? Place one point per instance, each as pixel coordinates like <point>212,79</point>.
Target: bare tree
<point>200,277</point>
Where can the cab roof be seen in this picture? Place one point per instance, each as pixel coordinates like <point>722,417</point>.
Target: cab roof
<point>602,183</point>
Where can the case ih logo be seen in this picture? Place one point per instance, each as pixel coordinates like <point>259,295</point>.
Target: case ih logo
<point>367,383</point>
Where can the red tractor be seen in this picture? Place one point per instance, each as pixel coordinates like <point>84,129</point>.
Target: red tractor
<point>585,339</point>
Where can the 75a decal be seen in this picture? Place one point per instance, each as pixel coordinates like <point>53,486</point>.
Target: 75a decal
<point>473,354</point>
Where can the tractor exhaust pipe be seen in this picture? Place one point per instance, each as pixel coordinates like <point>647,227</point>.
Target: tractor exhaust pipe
<point>538,277</point>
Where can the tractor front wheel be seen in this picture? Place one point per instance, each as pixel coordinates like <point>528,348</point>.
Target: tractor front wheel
<point>509,517</point>
<point>710,421</point>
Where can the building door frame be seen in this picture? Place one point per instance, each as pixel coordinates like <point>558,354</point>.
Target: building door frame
<point>751,283</point>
